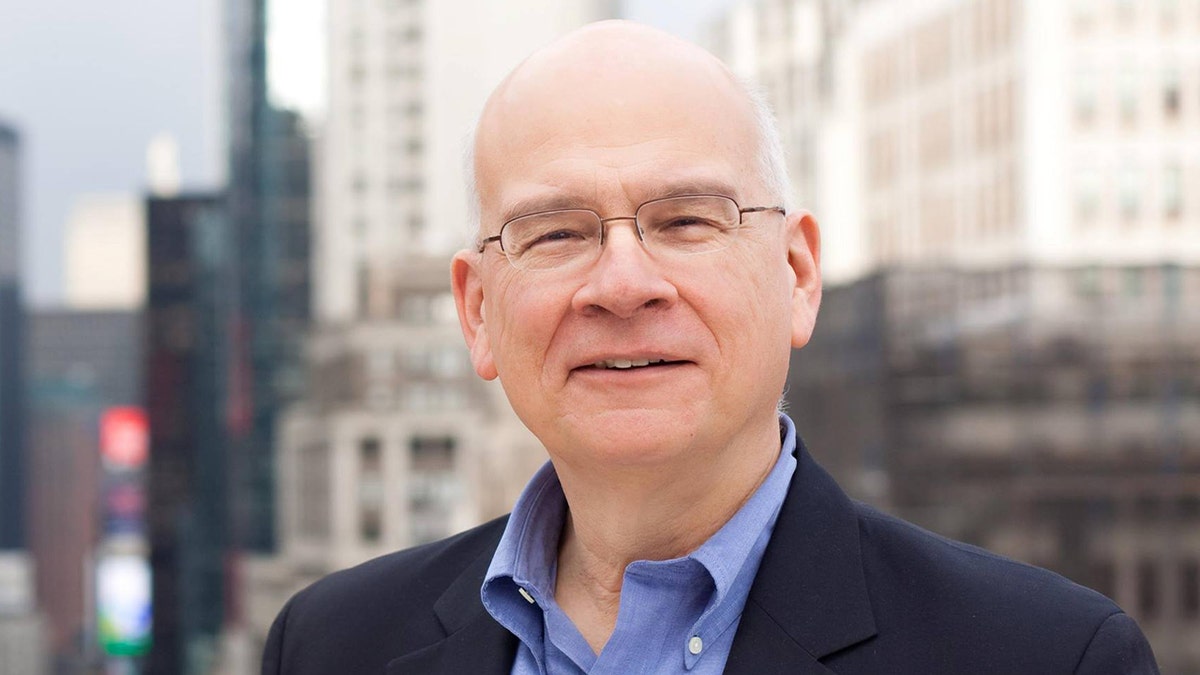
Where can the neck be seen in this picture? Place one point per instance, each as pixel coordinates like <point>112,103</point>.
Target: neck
<point>658,513</point>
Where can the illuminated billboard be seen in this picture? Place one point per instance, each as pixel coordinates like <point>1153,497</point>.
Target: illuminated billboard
<point>123,604</point>
<point>124,438</point>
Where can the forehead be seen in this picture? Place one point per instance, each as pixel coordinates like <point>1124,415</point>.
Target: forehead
<point>581,130</point>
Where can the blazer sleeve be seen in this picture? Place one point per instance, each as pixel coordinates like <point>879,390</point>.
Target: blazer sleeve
<point>1118,648</point>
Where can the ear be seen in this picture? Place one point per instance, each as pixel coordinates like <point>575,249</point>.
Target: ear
<point>467,284</point>
<point>804,257</point>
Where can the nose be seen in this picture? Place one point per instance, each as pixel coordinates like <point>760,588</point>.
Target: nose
<point>625,280</point>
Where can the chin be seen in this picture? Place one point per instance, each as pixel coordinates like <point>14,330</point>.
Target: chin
<point>630,437</point>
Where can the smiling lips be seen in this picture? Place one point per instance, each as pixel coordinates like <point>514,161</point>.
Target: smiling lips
<point>625,364</point>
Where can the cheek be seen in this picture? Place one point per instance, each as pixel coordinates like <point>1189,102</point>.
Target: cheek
<point>757,317</point>
<point>521,332</point>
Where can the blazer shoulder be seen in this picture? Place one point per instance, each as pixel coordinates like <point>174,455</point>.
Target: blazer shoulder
<point>928,587</point>
<point>973,572</point>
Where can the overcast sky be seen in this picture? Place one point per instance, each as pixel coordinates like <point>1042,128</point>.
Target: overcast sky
<point>89,83</point>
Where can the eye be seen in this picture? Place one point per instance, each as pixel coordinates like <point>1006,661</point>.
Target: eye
<point>555,236</point>
<point>555,233</point>
<point>686,221</point>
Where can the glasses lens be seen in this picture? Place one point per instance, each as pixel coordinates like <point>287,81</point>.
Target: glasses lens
<point>550,240</point>
<point>695,224</point>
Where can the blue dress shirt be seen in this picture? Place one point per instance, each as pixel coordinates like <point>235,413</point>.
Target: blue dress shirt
<point>675,616</point>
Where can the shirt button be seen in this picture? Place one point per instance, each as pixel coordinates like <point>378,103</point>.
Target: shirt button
<point>695,645</point>
<point>525,594</point>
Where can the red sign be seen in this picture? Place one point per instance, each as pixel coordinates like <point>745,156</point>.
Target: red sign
<point>124,437</point>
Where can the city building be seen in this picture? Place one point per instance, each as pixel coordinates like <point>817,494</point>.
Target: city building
<point>12,454</point>
<point>1009,357</point>
<point>186,364</point>
<point>21,627</point>
<point>104,258</point>
<point>268,197</point>
<point>82,364</point>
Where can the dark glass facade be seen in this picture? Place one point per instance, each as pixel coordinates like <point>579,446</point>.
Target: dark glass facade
<point>186,368</point>
<point>268,199</point>
<point>12,413</point>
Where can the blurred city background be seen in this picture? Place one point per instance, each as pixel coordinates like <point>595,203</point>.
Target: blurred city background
<point>230,362</point>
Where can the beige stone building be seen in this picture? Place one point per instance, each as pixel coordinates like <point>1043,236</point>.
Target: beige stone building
<point>1009,197</point>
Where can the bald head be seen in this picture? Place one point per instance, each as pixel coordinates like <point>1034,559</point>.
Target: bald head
<point>621,84</point>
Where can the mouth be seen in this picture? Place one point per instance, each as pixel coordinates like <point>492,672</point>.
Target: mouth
<point>630,364</point>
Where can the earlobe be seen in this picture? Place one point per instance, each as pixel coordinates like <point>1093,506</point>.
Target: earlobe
<point>804,257</point>
<point>467,285</point>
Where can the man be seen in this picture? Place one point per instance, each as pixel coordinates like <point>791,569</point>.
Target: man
<point>637,287</point>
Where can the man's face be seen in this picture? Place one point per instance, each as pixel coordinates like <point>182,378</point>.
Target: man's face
<point>723,322</point>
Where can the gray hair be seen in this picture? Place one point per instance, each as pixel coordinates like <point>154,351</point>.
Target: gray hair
<point>772,163</point>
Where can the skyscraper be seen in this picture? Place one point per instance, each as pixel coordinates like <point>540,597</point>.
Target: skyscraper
<point>20,631</point>
<point>12,454</point>
<point>185,362</point>
<point>268,200</point>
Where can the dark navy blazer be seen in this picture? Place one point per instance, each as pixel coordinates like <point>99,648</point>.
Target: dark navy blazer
<point>842,588</point>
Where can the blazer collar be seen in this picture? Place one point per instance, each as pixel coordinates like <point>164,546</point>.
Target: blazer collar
<point>810,597</point>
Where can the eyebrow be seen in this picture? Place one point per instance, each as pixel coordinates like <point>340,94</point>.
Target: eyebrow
<point>674,188</point>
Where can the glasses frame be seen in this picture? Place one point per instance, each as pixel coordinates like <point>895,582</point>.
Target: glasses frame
<point>742,211</point>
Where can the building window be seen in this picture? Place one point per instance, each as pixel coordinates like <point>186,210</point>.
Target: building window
<point>370,491</point>
<point>1087,282</point>
<point>1171,94</point>
<point>1172,284</point>
<point>1147,589</point>
<point>433,487</point>
<point>1083,13</point>
<point>1168,11</point>
<point>1087,195</point>
<point>1172,191</point>
<point>1103,577</point>
<point>1130,199</point>
<point>1134,286</point>
<point>1125,12</point>
<point>312,491</point>
<point>448,362</point>
<point>414,309</point>
<point>1189,589</point>
<point>1127,96</point>
<point>1085,96</point>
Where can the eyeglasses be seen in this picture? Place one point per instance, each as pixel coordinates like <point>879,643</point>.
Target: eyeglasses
<point>672,226</point>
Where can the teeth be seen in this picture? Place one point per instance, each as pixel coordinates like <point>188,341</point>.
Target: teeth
<point>625,363</point>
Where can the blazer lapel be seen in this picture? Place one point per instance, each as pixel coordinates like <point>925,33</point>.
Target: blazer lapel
<point>810,597</point>
<point>482,646</point>
<point>474,642</point>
